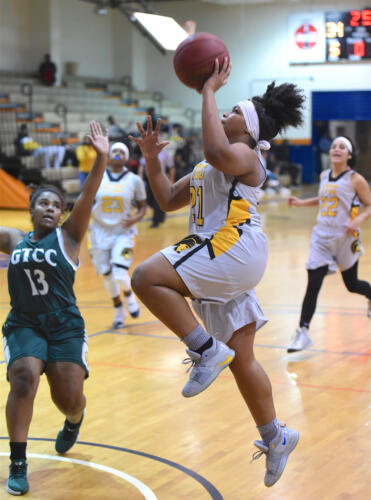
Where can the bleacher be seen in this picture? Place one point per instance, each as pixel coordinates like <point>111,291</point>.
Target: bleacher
<point>83,99</point>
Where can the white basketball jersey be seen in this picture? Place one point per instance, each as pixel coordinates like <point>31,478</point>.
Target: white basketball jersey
<point>219,202</point>
<point>225,253</point>
<point>115,197</point>
<point>338,203</point>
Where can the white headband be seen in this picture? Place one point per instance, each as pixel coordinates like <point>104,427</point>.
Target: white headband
<point>252,124</point>
<point>346,142</point>
<point>122,147</point>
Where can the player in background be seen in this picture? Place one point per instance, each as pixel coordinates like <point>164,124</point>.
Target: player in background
<point>167,163</point>
<point>335,241</point>
<point>44,331</point>
<point>113,229</point>
<point>224,256</point>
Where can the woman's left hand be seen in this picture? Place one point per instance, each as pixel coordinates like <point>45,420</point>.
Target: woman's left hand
<point>150,143</point>
<point>98,139</point>
<point>219,77</point>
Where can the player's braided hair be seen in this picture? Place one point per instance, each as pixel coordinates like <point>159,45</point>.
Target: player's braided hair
<point>278,108</point>
<point>46,187</point>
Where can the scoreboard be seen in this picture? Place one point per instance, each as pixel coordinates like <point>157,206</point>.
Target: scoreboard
<point>348,35</point>
<point>330,36</point>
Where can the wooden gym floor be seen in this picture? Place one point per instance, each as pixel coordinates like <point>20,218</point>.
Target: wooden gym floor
<point>142,439</point>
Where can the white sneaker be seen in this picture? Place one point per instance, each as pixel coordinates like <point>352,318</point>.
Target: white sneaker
<point>206,367</point>
<point>119,318</point>
<point>277,453</point>
<point>369,309</point>
<point>301,341</point>
<point>132,305</point>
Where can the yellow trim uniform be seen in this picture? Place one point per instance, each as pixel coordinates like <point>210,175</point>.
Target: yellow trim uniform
<point>338,204</point>
<point>225,255</point>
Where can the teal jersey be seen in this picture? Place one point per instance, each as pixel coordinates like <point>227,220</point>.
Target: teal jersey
<point>41,275</point>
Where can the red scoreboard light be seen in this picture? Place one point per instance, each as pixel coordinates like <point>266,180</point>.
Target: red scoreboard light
<point>360,18</point>
<point>348,35</point>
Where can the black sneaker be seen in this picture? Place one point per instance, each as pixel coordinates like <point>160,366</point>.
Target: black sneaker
<point>67,437</point>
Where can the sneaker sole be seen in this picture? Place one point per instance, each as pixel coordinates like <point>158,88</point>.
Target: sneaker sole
<point>284,462</point>
<point>135,314</point>
<point>68,449</point>
<point>292,349</point>
<point>15,493</point>
<point>211,380</point>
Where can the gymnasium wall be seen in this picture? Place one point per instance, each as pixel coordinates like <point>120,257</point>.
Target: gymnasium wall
<point>24,33</point>
<point>257,38</point>
<point>83,37</point>
<point>109,46</point>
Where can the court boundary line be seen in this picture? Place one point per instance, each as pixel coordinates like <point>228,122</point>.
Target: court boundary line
<point>289,382</point>
<point>207,485</point>
<point>263,346</point>
<point>139,485</point>
<point>229,377</point>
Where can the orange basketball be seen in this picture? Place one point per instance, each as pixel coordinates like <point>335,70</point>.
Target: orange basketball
<point>194,58</point>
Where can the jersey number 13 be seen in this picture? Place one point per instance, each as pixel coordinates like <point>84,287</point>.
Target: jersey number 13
<point>39,285</point>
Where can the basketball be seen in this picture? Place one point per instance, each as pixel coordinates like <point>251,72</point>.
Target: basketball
<point>194,58</point>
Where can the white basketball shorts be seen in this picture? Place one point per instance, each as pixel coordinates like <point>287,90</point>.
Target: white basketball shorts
<point>224,277</point>
<point>335,251</point>
<point>222,320</point>
<point>108,247</point>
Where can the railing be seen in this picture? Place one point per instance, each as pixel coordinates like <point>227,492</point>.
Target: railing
<point>191,115</point>
<point>27,90</point>
<point>61,110</point>
<point>158,97</point>
<point>128,85</point>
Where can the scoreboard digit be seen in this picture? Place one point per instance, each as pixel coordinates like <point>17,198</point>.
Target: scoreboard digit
<point>348,35</point>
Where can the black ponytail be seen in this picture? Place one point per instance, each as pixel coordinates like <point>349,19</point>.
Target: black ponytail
<point>278,108</point>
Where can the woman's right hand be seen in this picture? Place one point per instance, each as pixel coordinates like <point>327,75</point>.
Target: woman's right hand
<point>149,141</point>
<point>219,77</point>
<point>294,201</point>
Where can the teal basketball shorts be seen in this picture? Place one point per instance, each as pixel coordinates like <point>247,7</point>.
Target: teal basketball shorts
<point>52,337</point>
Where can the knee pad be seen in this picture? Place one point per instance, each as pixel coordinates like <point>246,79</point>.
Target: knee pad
<point>122,277</point>
<point>111,286</point>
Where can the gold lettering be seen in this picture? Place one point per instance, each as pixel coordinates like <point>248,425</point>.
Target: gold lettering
<point>334,30</point>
